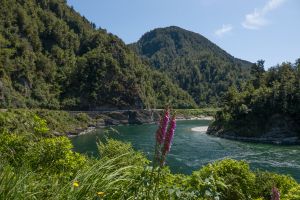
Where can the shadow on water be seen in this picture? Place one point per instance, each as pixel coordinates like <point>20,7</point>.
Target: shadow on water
<point>191,150</point>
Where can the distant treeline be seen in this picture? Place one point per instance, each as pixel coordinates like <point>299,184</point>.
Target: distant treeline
<point>271,93</point>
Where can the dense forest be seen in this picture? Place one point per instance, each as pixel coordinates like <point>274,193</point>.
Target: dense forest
<point>193,62</point>
<point>51,57</point>
<point>268,104</point>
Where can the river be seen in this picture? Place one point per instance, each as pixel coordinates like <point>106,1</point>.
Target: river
<point>192,148</point>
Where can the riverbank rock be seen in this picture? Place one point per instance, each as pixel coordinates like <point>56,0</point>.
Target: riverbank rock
<point>279,129</point>
<point>113,118</point>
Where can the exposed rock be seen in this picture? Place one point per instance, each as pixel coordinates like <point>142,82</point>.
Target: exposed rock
<point>279,129</point>
<point>142,117</point>
<point>100,123</point>
<point>114,118</point>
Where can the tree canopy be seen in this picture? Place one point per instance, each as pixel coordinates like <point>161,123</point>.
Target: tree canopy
<point>270,99</point>
<point>51,57</point>
<point>193,62</point>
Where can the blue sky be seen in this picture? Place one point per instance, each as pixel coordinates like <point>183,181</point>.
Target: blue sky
<point>247,29</point>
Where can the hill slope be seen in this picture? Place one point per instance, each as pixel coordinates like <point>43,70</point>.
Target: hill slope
<point>51,57</point>
<point>267,109</point>
<point>192,61</point>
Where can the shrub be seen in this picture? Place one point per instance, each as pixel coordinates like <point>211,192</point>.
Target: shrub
<point>238,181</point>
<point>127,155</point>
<point>41,121</point>
<point>82,117</point>
<point>54,155</point>
<point>293,194</point>
<point>13,148</point>
<point>266,180</point>
<point>40,126</point>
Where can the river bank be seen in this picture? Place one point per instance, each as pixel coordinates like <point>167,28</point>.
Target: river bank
<point>277,130</point>
<point>293,140</point>
<point>73,123</point>
<point>128,117</point>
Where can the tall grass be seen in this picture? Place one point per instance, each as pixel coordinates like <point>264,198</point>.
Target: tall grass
<point>102,179</point>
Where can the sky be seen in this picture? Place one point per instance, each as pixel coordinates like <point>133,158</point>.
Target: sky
<point>247,29</point>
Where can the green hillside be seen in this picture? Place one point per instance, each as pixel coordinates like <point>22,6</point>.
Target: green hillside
<point>51,57</point>
<point>192,61</point>
<point>267,107</point>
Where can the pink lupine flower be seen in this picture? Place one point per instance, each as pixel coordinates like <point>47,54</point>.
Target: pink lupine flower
<point>275,194</point>
<point>169,136</point>
<point>164,137</point>
<point>161,131</point>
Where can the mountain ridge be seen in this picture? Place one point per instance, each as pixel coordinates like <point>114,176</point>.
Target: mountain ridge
<point>192,32</point>
<point>181,53</point>
<point>52,57</point>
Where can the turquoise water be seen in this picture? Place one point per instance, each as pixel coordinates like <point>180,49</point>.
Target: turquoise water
<point>191,149</point>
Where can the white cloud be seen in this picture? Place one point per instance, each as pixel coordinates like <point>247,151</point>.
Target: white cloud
<point>257,19</point>
<point>225,29</point>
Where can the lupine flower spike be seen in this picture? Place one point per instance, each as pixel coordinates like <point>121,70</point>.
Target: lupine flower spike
<point>161,135</point>
<point>169,139</point>
<point>161,131</point>
<point>275,194</point>
<point>164,136</point>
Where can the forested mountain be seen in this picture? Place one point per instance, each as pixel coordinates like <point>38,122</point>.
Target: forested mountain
<point>51,57</point>
<point>192,61</point>
<point>267,107</point>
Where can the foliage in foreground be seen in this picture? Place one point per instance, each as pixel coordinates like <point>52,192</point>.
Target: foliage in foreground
<point>123,174</point>
<point>39,166</point>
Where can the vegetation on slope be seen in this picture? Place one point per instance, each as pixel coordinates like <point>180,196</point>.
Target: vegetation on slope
<point>269,102</point>
<point>59,122</point>
<point>51,57</point>
<point>35,165</point>
<point>193,62</point>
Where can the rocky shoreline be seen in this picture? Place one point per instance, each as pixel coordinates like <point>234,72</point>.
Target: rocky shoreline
<point>116,118</point>
<point>279,130</point>
<point>266,140</point>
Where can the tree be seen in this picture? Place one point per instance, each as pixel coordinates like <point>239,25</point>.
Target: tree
<point>257,71</point>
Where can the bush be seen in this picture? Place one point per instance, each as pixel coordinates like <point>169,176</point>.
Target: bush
<point>40,126</point>
<point>41,121</point>
<point>82,117</point>
<point>54,155</point>
<point>266,180</point>
<point>238,181</point>
<point>293,194</point>
<point>113,148</point>
<point>13,148</point>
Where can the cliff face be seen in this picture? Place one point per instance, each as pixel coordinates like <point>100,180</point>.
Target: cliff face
<point>279,129</point>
